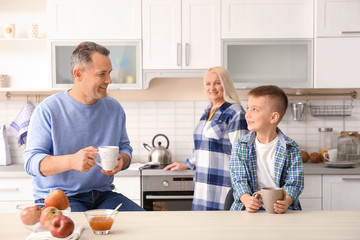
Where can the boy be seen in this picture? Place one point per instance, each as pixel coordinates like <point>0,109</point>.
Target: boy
<point>266,157</point>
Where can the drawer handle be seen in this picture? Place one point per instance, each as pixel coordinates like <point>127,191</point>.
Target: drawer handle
<point>9,189</point>
<point>350,32</point>
<point>350,178</point>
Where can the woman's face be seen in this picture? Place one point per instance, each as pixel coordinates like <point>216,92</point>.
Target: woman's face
<point>213,87</point>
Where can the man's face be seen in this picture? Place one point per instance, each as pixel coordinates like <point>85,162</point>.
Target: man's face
<point>95,78</point>
<point>259,114</point>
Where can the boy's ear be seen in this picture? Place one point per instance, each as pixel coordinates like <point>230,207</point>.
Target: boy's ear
<point>275,116</point>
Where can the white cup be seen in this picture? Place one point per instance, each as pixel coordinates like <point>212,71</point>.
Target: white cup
<point>9,30</point>
<point>108,157</point>
<point>330,155</point>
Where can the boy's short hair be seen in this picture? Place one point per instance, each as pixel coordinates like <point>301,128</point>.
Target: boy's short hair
<point>276,94</point>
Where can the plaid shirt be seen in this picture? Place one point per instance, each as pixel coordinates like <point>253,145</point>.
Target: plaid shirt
<point>213,143</point>
<point>289,173</point>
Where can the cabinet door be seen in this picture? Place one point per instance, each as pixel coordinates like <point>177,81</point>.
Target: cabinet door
<point>338,18</point>
<point>337,63</point>
<point>201,33</point>
<point>341,192</point>
<point>94,19</point>
<point>161,34</point>
<point>129,187</point>
<point>311,197</point>
<point>267,18</point>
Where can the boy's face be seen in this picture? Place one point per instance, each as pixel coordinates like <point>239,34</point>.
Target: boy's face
<point>259,115</point>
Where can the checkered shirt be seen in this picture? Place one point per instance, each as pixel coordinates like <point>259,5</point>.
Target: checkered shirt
<point>213,141</point>
<point>289,173</point>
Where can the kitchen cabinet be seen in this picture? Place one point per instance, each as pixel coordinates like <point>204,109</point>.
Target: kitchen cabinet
<point>14,191</point>
<point>267,18</point>
<point>22,58</point>
<point>128,186</point>
<point>338,18</point>
<point>341,192</point>
<point>124,55</point>
<point>311,197</point>
<point>180,36</point>
<point>94,19</point>
<point>337,62</point>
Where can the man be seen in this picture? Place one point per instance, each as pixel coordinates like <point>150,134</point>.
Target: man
<point>66,129</point>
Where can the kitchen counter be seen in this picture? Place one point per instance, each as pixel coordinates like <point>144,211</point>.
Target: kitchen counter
<point>17,170</point>
<point>213,225</point>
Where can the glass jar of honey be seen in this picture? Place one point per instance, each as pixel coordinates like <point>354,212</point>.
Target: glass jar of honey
<point>325,141</point>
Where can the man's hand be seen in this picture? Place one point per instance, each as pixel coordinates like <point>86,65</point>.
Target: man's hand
<point>122,162</point>
<point>252,203</point>
<point>84,159</point>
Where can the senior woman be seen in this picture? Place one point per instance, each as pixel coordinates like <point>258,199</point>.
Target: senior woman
<point>220,126</point>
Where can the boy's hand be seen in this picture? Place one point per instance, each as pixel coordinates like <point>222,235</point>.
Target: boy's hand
<point>251,203</point>
<point>282,205</point>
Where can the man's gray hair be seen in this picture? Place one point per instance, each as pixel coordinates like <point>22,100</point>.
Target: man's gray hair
<point>82,54</point>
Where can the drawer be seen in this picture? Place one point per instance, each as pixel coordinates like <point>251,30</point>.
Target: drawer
<point>128,186</point>
<point>312,204</point>
<point>312,187</point>
<point>12,189</point>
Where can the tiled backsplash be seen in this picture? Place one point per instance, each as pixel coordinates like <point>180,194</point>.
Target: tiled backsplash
<point>177,119</point>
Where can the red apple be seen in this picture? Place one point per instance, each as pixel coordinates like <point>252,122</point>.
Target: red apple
<point>61,226</point>
<point>47,215</point>
<point>30,215</point>
<point>57,199</point>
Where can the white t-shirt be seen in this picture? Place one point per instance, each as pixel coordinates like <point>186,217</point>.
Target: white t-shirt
<point>265,154</point>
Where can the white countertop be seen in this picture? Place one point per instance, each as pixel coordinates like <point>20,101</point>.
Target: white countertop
<point>17,170</point>
<point>304,225</point>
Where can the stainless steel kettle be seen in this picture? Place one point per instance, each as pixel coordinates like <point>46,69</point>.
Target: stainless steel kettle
<point>159,154</point>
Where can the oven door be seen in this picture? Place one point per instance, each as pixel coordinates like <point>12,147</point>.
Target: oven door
<point>168,201</point>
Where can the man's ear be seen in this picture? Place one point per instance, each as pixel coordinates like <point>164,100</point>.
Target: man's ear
<point>77,74</point>
<point>275,116</point>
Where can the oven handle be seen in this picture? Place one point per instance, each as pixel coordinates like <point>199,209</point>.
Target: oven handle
<point>168,197</point>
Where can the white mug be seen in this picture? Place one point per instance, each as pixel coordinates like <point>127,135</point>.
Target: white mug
<point>108,157</point>
<point>9,30</point>
<point>331,155</point>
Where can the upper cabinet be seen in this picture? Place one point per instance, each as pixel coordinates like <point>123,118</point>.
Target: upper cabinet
<point>94,19</point>
<point>337,46</point>
<point>338,18</point>
<point>267,18</point>
<point>180,35</point>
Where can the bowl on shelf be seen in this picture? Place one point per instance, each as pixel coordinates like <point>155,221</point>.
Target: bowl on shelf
<point>101,220</point>
<point>37,217</point>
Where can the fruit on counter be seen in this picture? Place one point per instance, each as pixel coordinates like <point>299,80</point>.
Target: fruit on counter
<point>61,226</point>
<point>30,215</point>
<point>47,215</point>
<point>57,199</point>
<point>304,156</point>
<point>315,157</point>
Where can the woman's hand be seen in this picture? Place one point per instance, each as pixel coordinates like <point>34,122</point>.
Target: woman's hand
<point>176,166</point>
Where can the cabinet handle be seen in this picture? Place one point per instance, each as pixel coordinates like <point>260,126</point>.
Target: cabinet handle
<point>350,178</point>
<point>350,32</point>
<point>187,47</point>
<point>179,54</point>
<point>9,189</point>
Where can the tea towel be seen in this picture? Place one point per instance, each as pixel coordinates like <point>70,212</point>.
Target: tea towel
<point>19,126</point>
<point>46,235</point>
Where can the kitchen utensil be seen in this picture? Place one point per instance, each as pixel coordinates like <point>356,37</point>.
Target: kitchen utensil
<point>101,220</point>
<point>159,153</point>
<point>298,110</point>
<point>342,164</point>
<point>269,196</point>
<point>118,206</point>
<point>108,157</point>
<point>330,155</point>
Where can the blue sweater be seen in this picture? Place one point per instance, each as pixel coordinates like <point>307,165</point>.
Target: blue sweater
<point>61,125</point>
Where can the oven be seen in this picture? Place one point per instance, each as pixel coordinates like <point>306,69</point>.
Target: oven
<point>167,190</point>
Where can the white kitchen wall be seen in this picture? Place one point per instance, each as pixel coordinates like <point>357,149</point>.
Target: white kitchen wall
<point>177,119</point>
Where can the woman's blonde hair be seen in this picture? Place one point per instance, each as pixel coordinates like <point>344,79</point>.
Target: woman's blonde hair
<point>230,95</point>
